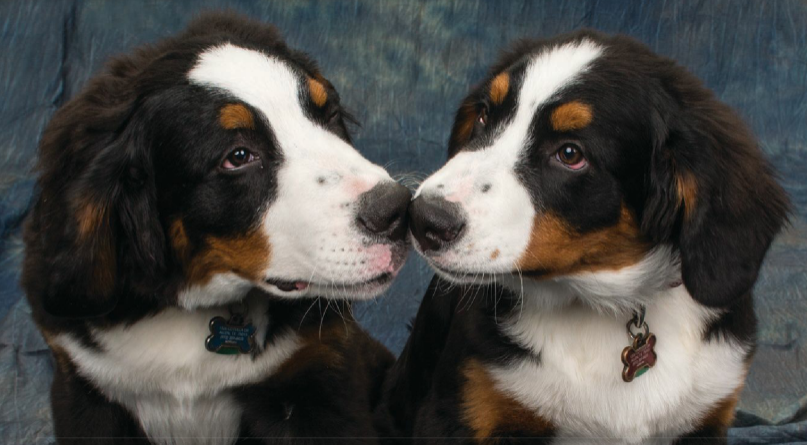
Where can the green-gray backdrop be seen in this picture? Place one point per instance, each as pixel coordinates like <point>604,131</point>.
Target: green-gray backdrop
<point>403,67</point>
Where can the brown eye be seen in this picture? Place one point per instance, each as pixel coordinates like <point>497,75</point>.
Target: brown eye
<point>238,158</point>
<point>571,156</point>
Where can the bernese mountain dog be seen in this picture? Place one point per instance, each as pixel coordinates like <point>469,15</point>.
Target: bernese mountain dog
<point>201,224</point>
<point>596,234</point>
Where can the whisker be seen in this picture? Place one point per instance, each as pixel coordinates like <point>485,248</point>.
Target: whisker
<point>495,300</point>
<point>521,298</point>
<point>322,317</point>
<point>306,313</point>
<point>339,311</point>
<point>478,287</point>
<point>350,310</point>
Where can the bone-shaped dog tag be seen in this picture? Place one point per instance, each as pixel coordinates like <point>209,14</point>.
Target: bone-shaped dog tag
<point>639,357</point>
<point>230,337</point>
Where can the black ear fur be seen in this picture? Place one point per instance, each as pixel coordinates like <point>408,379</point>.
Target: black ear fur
<point>94,236</point>
<point>111,241</point>
<point>712,194</point>
<point>96,214</point>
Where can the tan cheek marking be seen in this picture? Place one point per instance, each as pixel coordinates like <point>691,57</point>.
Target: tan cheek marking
<point>494,254</point>
<point>489,412</point>
<point>554,248</point>
<point>687,193</point>
<point>571,116</point>
<point>246,256</point>
<point>319,95</point>
<point>236,116</point>
<point>499,87</point>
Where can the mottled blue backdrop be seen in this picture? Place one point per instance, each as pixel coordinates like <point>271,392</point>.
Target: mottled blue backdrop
<point>402,68</point>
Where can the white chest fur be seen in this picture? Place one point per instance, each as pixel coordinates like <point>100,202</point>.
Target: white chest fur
<point>578,384</point>
<point>160,370</point>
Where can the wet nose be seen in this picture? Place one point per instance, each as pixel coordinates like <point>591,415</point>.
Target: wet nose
<point>382,211</point>
<point>435,223</point>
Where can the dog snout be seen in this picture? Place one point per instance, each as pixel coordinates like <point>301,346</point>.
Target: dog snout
<point>435,222</point>
<point>382,211</point>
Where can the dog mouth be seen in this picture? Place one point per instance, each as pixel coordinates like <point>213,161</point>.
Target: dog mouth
<point>374,275</point>
<point>298,286</point>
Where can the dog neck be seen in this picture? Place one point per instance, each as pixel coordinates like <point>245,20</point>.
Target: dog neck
<point>614,292</point>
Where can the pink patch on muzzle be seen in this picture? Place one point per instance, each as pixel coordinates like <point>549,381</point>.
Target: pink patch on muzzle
<point>357,186</point>
<point>380,258</point>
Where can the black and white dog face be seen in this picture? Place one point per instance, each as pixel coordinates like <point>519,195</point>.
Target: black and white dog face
<point>198,168</point>
<point>286,165</point>
<point>590,163</point>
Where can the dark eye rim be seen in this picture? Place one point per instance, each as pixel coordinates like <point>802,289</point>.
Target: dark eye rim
<point>483,113</point>
<point>333,116</point>
<point>256,159</point>
<point>332,111</point>
<point>556,156</point>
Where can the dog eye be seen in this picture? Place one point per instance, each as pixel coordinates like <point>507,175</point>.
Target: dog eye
<point>571,156</point>
<point>481,120</point>
<point>238,158</point>
<point>483,115</point>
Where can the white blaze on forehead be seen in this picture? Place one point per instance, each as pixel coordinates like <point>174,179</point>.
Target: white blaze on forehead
<point>273,87</point>
<point>485,183</point>
<point>310,223</point>
<point>547,73</point>
<point>545,76</point>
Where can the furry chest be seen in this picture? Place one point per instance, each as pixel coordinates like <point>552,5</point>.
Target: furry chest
<point>206,420</point>
<point>160,370</point>
<point>577,385</point>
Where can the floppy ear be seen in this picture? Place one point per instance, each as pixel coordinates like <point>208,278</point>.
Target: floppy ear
<point>110,226</point>
<point>713,195</point>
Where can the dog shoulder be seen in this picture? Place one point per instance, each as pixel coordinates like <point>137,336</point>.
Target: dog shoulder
<point>409,380</point>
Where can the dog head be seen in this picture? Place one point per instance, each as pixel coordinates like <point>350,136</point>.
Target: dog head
<point>590,163</point>
<point>216,161</point>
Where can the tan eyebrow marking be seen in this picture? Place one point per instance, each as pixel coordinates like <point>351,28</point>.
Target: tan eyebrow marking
<point>499,87</point>
<point>235,116</point>
<point>319,95</point>
<point>571,116</point>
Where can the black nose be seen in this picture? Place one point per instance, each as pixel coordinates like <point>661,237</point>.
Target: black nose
<point>382,210</point>
<point>435,222</point>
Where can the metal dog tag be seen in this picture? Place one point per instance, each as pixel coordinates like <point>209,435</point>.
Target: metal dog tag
<point>230,337</point>
<point>639,357</point>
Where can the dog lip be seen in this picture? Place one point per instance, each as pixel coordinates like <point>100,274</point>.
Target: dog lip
<point>299,285</point>
<point>382,278</point>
